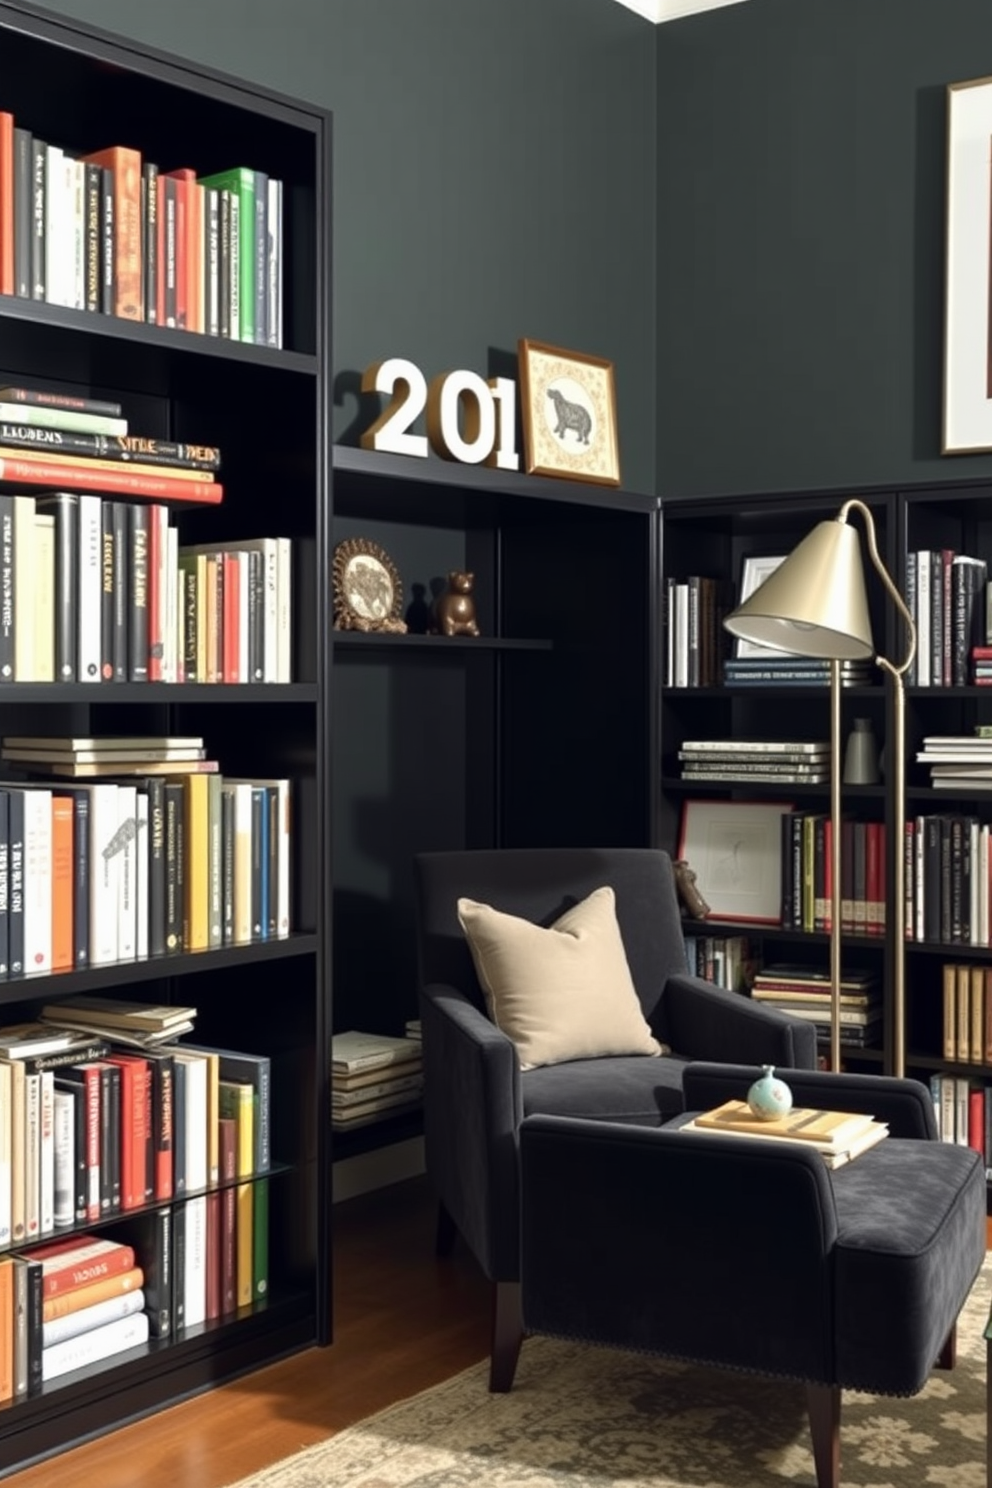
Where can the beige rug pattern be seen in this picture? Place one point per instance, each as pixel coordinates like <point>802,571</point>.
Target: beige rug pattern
<point>582,1417</point>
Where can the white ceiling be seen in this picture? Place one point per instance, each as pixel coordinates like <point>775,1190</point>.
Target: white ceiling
<point>673,10</point>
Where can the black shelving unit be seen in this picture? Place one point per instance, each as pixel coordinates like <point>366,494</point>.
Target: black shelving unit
<point>541,731</point>
<point>267,408</point>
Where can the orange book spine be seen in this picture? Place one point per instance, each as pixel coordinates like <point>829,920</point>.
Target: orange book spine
<point>128,278</point>
<point>197,256</point>
<point>82,476</point>
<point>98,462</point>
<point>6,1328</point>
<point>6,203</point>
<point>96,1291</point>
<point>62,883</point>
<point>231,627</point>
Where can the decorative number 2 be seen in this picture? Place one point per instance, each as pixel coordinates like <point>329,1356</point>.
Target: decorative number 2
<point>485,432</point>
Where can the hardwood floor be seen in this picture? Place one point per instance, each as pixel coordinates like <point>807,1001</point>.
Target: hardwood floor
<point>403,1321</point>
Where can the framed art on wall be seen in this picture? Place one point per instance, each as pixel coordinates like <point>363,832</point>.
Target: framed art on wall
<point>735,850</point>
<point>569,415</point>
<point>967,420</point>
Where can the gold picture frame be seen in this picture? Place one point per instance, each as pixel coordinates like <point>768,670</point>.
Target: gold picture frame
<point>568,414</point>
<point>368,595</point>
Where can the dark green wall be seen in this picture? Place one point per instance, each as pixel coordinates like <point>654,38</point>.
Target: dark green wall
<point>801,241</point>
<point>494,171</point>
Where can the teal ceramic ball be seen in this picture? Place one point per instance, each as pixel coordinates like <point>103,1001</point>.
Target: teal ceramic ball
<point>769,1098</point>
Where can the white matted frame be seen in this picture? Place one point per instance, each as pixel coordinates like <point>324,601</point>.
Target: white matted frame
<point>967,422</point>
<point>753,574</point>
<point>735,850</point>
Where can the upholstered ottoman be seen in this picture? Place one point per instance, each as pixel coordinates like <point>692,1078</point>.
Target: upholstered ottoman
<point>753,1255</point>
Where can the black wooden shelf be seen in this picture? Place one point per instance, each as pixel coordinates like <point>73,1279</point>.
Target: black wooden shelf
<point>98,693</point>
<point>360,640</point>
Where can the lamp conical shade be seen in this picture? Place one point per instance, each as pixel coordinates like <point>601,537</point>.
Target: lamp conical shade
<point>815,603</point>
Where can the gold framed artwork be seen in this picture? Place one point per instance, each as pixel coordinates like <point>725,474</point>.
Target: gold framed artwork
<point>967,420</point>
<point>569,414</point>
<point>368,595</point>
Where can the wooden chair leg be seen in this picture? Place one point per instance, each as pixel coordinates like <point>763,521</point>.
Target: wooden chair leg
<point>446,1233</point>
<point>508,1334</point>
<point>947,1357</point>
<point>823,1404</point>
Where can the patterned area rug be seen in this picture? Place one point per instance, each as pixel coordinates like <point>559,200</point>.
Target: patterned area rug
<point>581,1417</point>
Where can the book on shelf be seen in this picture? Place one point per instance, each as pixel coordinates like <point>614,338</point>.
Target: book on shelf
<point>80,474</point>
<point>355,1119</point>
<point>57,1330</point>
<point>737,747</point>
<point>751,774</point>
<point>128,448</point>
<point>52,398</point>
<point>99,1343</point>
<point>40,1039</point>
<point>400,1087</point>
<point>72,421</point>
<point>115,1013</point>
<point>353,1051</point>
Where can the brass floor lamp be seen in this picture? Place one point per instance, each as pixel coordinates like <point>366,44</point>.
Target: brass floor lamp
<point>815,604</point>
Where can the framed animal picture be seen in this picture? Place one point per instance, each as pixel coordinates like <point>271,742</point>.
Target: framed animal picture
<point>569,414</point>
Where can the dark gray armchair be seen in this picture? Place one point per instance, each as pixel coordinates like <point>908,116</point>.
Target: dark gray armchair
<point>475,1093</point>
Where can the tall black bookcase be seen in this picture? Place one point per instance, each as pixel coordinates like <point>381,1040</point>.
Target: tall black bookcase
<point>713,538</point>
<point>541,731</point>
<point>267,408</point>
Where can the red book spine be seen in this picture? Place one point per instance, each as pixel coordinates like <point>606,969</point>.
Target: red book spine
<point>6,203</point>
<point>77,475</point>
<point>67,1278</point>
<point>976,1121</point>
<point>128,276</point>
<point>872,882</point>
<point>213,1254</point>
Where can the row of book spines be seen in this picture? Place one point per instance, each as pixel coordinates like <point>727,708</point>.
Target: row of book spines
<point>195,1262</point>
<point>99,591</point>
<point>111,233</point>
<point>967,1013</point>
<point>807,874</point>
<point>85,1141</point>
<point>948,880</point>
<point>99,873</point>
<point>947,596</point>
<point>963,1112</point>
<point>725,960</point>
<point>696,642</point>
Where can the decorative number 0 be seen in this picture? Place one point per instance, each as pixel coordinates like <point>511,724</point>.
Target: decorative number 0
<point>389,432</point>
<point>443,399</point>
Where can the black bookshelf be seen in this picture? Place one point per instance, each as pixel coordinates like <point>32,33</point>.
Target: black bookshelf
<point>541,731</point>
<point>84,89</point>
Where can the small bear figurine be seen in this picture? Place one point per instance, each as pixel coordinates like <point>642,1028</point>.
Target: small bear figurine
<point>454,610</point>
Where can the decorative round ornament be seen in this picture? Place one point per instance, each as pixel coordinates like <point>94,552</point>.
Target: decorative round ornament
<point>367,591</point>
<point>769,1098</point>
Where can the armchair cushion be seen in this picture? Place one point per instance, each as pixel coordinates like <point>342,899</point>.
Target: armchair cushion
<point>560,992</point>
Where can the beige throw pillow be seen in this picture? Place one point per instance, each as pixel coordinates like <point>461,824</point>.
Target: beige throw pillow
<point>559,993</point>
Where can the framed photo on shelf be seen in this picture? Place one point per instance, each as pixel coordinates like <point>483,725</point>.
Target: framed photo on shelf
<point>735,850</point>
<point>754,572</point>
<point>569,414</point>
<point>967,420</point>
<point>368,595</point>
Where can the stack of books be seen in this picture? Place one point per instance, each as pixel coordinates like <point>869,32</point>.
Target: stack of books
<point>804,992</point>
<point>142,1024</point>
<point>82,1301</point>
<point>792,671</point>
<point>374,1076</point>
<point>959,762</point>
<point>758,761</point>
<point>838,1136</point>
<point>90,758</point>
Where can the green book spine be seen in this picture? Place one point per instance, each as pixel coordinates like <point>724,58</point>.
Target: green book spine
<point>242,180</point>
<point>260,1248</point>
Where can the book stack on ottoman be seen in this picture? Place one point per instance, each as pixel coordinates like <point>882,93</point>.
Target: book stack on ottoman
<point>373,1076</point>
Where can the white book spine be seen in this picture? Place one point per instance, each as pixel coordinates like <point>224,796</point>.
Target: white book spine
<point>284,644</point>
<point>195,1271</point>
<point>44,598</point>
<point>90,600</point>
<point>104,873</point>
<point>46,1165</point>
<point>76,183</point>
<point>53,224</point>
<point>172,610</point>
<point>88,1318</point>
<point>65,1158</point>
<point>244,584</point>
<point>89,1348</point>
<point>142,845</point>
<point>681,637</point>
<point>127,889</point>
<point>37,881</point>
<point>973,883</point>
<point>983,884</point>
<point>211,228</point>
<point>919,907</point>
<point>32,1156</point>
<point>923,617</point>
<point>234,302</point>
<point>25,545</point>
<point>6,1135</point>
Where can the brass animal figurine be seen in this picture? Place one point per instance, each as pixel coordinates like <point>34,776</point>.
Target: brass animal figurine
<point>454,609</point>
<point>693,902</point>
